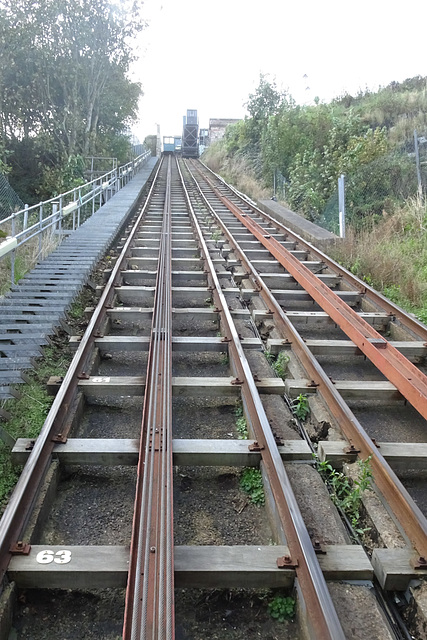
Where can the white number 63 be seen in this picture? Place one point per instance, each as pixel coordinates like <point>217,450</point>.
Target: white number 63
<point>60,557</point>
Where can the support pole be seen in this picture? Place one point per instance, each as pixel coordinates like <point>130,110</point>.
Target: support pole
<point>341,204</point>
<point>417,160</point>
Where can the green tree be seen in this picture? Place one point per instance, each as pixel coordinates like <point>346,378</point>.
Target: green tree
<point>262,104</point>
<point>65,81</point>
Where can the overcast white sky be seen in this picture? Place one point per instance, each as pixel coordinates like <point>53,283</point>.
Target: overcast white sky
<point>208,55</point>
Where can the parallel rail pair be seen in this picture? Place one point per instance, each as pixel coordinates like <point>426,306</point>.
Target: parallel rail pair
<point>149,609</point>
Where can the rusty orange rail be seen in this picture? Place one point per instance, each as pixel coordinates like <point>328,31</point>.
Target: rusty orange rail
<point>409,380</point>
<point>407,512</point>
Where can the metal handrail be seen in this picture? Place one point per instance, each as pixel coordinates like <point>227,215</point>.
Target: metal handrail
<point>67,211</point>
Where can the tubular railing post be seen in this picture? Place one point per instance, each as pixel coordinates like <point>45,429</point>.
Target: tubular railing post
<point>12,257</point>
<point>60,215</point>
<point>40,228</point>
<point>25,224</point>
<point>74,211</point>
<point>78,208</point>
<point>341,204</point>
<point>95,187</point>
<point>55,219</point>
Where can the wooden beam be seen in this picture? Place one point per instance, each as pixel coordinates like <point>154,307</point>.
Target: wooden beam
<point>94,567</point>
<point>285,280</point>
<point>182,344</point>
<point>349,389</point>
<point>302,318</point>
<point>113,452</point>
<point>262,255</point>
<point>142,314</point>
<point>283,295</point>
<point>399,455</point>
<point>394,568</point>
<point>135,294</point>
<point>203,386</point>
<point>413,350</point>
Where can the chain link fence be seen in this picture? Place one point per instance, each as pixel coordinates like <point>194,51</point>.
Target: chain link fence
<point>9,199</point>
<point>374,189</point>
<point>279,185</point>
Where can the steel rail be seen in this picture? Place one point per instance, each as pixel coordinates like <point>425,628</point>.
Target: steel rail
<point>409,380</point>
<point>149,609</point>
<point>322,616</point>
<point>409,322</point>
<point>412,521</point>
<point>58,423</point>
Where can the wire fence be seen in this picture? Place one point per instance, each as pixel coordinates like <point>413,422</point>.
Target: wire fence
<point>373,190</point>
<point>9,199</point>
<point>279,185</point>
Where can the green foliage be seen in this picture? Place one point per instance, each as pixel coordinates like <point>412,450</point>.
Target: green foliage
<point>76,310</point>
<point>151,142</point>
<point>224,359</point>
<point>346,494</point>
<point>392,256</point>
<point>270,357</point>
<point>238,411</point>
<point>251,483</point>
<point>21,267</point>
<point>241,424</point>
<point>242,428</point>
<point>368,138</point>
<point>9,475</point>
<point>313,177</point>
<point>300,407</point>
<point>393,293</point>
<point>236,136</point>
<point>29,412</point>
<point>72,97</point>
<point>261,105</point>
<point>215,235</point>
<point>280,365</point>
<point>282,608</point>
<point>63,177</point>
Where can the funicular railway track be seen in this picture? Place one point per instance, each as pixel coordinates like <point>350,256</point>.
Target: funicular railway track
<point>198,253</point>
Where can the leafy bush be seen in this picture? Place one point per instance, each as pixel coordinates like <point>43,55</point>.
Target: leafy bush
<point>368,138</point>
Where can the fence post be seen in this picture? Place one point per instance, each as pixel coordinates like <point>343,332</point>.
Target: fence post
<point>341,204</point>
<point>417,160</point>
